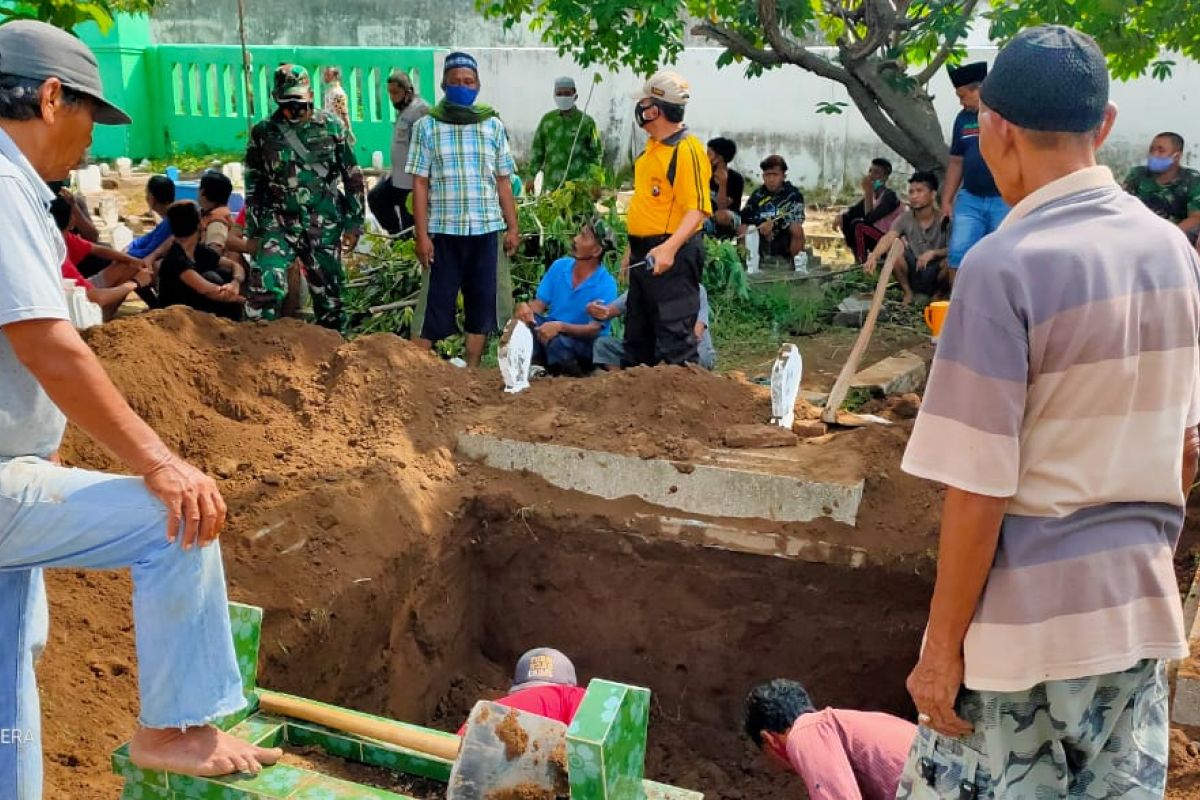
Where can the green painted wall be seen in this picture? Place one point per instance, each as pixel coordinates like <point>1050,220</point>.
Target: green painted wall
<point>192,98</point>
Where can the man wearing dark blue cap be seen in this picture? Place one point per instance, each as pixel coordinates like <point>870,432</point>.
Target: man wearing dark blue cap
<point>462,198</point>
<point>162,522</point>
<point>970,197</point>
<point>1067,379</point>
<point>544,683</point>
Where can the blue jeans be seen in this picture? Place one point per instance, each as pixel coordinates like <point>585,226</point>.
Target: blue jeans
<point>51,516</point>
<point>974,218</point>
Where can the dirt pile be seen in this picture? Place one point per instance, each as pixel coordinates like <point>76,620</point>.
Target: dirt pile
<point>356,529</point>
<point>672,412</point>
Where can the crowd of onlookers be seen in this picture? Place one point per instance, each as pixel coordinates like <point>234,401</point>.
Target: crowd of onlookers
<point>452,187</point>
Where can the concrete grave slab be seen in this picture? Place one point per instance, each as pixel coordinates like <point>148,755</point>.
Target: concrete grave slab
<point>899,374</point>
<point>749,484</point>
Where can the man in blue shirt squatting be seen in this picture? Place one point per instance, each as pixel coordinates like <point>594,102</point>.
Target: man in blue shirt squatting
<point>161,522</point>
<point>564,331</point>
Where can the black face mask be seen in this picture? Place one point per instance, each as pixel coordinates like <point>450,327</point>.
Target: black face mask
<point>400,105</point>
<point>639,113</point>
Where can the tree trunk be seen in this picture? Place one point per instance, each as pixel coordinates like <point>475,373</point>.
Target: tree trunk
<point>901,115</point>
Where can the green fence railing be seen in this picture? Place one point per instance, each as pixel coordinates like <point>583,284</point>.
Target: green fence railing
<point>192,98</point>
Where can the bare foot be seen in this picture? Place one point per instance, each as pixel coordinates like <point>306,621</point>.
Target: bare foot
<point>202,751</point>
<point>908,299</point>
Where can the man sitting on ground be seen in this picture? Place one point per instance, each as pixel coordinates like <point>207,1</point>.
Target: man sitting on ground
<point>1168,188</point>
<point>777,209</point>
<point>727,187</point>
<point>160,193</point>
<point>609,350</point>
<point>564,332</point>
<point>218,231</point>
<point>195,276</point>
<point>866,222</point>
<point>840,754</point>
<point>109,287</point>
<point>544,684</point>
<point>926,236</point>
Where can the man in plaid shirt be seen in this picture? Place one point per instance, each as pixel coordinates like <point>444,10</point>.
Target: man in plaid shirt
<point>462,197</point>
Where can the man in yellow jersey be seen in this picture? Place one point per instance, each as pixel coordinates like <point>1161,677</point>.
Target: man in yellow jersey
<point>666,248</point>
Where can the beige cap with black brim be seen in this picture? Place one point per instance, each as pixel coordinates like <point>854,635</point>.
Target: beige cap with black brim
<point>37,51</point>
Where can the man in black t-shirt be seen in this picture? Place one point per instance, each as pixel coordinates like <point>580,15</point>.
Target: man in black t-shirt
<point>970,200</point>
<point>195,276</point>
<point>727,187</point>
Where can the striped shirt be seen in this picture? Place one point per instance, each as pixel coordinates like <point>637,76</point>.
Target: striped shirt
<point>461,163</point>
<point>1066,376</point>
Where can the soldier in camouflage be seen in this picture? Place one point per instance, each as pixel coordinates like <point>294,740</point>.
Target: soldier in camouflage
<point>294,207</point>
<point>1168,188</point>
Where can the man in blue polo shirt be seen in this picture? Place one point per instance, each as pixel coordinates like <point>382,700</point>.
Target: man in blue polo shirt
<point>160,194</point>
<point>971,200</point>
<point>564,330</point>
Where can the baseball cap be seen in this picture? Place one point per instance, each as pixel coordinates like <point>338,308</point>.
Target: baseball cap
<point>1049,78</point>
<point>37,51</point>
<point>543,666</point>
<point>667,87</point>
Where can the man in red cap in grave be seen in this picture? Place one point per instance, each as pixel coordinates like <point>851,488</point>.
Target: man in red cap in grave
<point>544,683</point>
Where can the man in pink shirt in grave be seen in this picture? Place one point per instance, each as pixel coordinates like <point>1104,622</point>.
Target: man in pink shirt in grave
<point>840,754</point>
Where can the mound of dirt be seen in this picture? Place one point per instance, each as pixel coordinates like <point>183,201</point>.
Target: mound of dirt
<point>671,412</point>
<point>345,500</point>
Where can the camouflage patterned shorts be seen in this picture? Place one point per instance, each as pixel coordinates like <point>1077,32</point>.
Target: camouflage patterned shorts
<point>1099,737</point>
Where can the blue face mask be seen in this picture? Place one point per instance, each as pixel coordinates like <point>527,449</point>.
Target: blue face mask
<point>461,95</point>
<point>1160,164</point>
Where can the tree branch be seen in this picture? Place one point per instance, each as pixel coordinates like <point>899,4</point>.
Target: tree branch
<point>736,43</point>
<point>925,75</point>
<point>880,18</point>
<point>792,51</point>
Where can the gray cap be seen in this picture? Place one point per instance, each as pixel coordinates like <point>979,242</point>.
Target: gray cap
<point>543,666</point>
<point>565,82</point>
<point>38,51</point>
<point>1049,78</point>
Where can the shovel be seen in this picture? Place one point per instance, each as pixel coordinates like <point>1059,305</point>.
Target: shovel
<point>506,754</point>
<point>510,755</point>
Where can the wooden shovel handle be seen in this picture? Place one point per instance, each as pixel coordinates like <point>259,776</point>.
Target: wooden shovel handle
<point>837,395</point>
<point>390,732</point>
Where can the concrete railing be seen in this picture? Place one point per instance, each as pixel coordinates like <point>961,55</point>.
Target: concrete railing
<point>192,98</point>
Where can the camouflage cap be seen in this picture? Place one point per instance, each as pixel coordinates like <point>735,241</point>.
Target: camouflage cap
<point>292,83</point>
<point>604,234</point>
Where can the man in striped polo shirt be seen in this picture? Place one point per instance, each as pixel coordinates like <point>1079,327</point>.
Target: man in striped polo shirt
<point>1061,414</point>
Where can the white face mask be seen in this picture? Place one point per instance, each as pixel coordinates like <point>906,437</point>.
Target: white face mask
<point>564,103</point>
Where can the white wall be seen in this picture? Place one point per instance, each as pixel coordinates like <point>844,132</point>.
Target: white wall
<point>776,113</point>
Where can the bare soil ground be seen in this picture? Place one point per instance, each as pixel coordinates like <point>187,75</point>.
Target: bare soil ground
<point>398,580</point>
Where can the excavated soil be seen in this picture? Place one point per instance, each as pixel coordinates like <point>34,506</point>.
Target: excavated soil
<point>316,760</point>
<point>397,580</point>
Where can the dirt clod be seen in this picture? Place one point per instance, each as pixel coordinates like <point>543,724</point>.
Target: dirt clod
<point>745,436</point>
<point>513,736</point>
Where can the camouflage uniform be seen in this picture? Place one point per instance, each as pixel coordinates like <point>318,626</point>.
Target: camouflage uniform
<point>1174,201</point>
<point>294,208</point>
<point>1098,737</point>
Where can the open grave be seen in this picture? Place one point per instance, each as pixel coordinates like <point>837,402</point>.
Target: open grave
<point>404,559</point>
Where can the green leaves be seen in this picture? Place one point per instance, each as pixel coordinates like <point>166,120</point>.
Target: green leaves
<point>1132,34</point>
<point>67,14</point>
<point>831,108</point>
